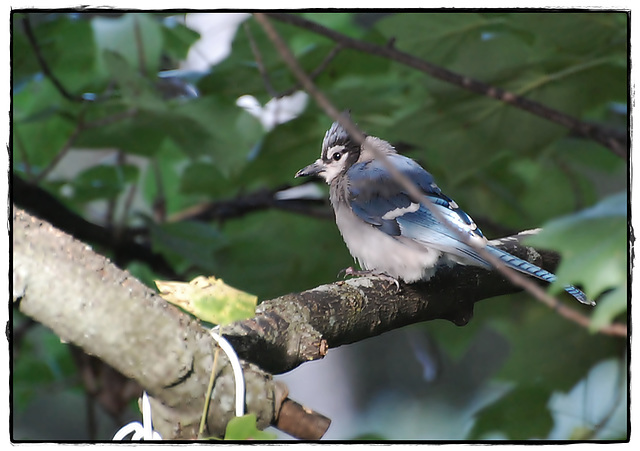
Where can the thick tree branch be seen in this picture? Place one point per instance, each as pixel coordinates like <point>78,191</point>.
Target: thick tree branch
<point>292,329</point>
<point>90,303</point>
<point>612,139</point>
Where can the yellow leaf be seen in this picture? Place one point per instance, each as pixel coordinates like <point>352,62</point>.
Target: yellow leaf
<point>209,299</point>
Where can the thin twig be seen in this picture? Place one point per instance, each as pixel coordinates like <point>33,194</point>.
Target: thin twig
<point>574,181</point>
<point>207,397</point>
<point>139,47</point>
<point>318,70</point>
<point>613,140</point>
<point>159,200</point>
<point>265,75</point>
<point>80,127</point>
<point>514,277</point>
<point>108,120</point>
<point>613,329</point>
<point>120,227</point>
<point>111,203</point>
<point>60,155</point>
<point>259,62</point>
<point>26,23</point>
<point>615,402</point>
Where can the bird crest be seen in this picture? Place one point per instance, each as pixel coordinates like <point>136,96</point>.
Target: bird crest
<point>335,136</point>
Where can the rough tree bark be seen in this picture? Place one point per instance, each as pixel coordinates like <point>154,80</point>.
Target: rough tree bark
<point>88,301</point>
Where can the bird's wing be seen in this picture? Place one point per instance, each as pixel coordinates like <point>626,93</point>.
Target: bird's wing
<point>378,199</point>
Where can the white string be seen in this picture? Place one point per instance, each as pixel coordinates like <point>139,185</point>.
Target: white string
<point>237,369</point>
<point>145,430</point>
<point>140,431</point>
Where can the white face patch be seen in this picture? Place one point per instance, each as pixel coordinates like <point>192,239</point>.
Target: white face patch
<point>334,161</point>
<point>393,214</point>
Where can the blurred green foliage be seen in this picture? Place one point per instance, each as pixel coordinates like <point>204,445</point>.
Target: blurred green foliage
<point>244,428</point>
<point>498,162</point>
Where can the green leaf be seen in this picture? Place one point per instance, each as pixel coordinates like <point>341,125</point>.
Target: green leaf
<point>547,350</point>
<point>41,140</point>
<point>462,128</point>
<point>521,414</point>
<point>137,135</point>
<point>610,306</point>
<point>36,99</point>
<point>178,38</point>
<point>341,22</point>
<point>590,33</point>
<point>136,90</point>
<point>593,245</point>
<point>209,126</point>
<point>102,182</point>
<point>69,51</point>
<point>142,272</point>
<point>23,63</point>
<point>44,361</point>
<point>595,408</point>
<point>187,243</point>
<point>164,180</point>
<point>137,37</point>
<point>238,74</point>
<point>275,247</point>
<point>479,43</point>
<point>285,149</point>
<point>245,428</point>
<point>210,299</point>
<point>201,177</point>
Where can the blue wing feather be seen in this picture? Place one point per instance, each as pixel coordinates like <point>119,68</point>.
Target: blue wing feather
<point>374,196</point>
<point>528,268</point>
<point>373,193</point>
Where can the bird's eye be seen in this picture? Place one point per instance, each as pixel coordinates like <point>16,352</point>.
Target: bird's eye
<point>336,156</point>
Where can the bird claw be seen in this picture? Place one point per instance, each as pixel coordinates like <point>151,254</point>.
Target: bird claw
<point>355,273</point>
<point>343,273</point>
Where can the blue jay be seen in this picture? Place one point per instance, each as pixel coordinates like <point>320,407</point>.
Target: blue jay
<point>385,230</point>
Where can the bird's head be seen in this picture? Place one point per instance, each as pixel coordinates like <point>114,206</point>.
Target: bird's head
<point>339,153</point>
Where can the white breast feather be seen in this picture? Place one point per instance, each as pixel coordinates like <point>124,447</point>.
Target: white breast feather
<point>375,250</point>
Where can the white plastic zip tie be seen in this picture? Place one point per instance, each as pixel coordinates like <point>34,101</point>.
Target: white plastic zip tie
<point>140,431</point>
<point>237,369</point>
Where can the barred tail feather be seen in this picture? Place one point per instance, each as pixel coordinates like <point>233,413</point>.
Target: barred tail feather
<point>535,271</point>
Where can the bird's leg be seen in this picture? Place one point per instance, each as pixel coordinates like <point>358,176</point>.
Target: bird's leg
<point>362,273</point>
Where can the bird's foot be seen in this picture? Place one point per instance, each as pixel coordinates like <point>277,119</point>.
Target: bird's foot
<point>350,271</point>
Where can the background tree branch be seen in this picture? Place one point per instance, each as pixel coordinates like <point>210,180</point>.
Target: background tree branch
<point>125,248</point>
<point>614,140</point>
<point>131,244</point>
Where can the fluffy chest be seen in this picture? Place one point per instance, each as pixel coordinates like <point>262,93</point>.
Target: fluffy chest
<point>374,250</point>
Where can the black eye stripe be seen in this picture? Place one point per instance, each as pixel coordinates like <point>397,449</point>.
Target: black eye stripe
<point>334,154</point>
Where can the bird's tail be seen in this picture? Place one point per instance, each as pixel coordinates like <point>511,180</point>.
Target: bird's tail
<point>535,271</point>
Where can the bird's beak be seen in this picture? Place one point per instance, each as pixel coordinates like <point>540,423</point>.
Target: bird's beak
<point>314,168</point>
